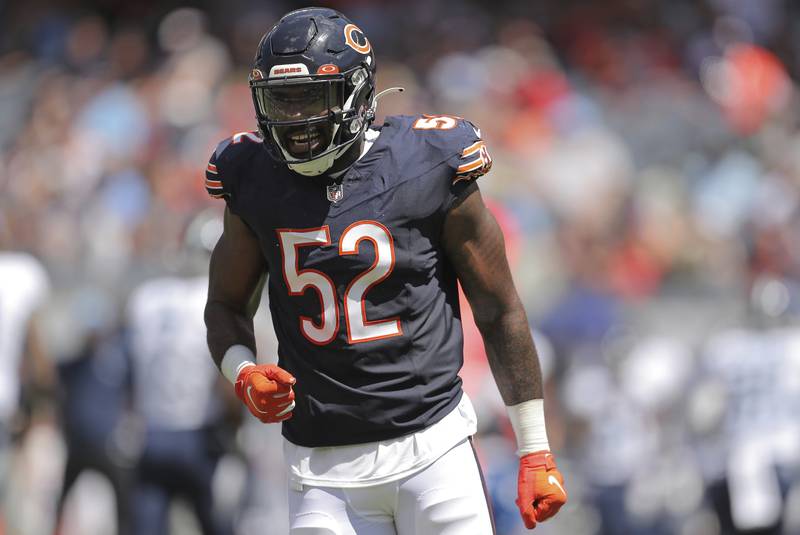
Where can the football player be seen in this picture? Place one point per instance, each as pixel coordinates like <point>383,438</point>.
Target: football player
<point>365,234</point>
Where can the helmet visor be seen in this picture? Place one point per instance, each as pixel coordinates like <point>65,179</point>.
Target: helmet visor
<point>297,102</point>
<point>299,114</point>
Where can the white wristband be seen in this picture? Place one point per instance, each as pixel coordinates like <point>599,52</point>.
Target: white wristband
<point>527,419</point>
<point>235,360</point>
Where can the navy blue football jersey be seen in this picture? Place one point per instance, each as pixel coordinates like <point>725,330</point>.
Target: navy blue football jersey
<point>362,296</point>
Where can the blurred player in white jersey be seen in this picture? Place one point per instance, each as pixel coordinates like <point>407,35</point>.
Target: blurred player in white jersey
<point>756,376</point>
<point>175,391</point>
<point>24,285</point>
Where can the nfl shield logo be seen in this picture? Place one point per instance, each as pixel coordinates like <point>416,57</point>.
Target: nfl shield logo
<point>335,193</point>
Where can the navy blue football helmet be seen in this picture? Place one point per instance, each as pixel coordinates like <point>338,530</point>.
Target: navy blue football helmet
<point>313,86</point>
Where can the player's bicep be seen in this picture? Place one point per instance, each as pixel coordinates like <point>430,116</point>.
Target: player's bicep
<point>474,244</point>
<point>237,267</point>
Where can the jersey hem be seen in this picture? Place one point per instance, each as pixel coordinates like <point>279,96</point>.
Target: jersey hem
<point>334,467</point>
<point>422,465</point>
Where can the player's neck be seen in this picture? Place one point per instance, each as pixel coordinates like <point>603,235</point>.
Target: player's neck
<point>346,161</point>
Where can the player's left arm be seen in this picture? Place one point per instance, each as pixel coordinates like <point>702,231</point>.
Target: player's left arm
<point>475,247</point>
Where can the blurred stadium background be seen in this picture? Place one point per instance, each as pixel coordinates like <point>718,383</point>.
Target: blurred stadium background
<point>647,174</point>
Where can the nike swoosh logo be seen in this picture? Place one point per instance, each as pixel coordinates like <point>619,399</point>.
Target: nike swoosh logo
<point>553,481</point>
<point>255,407</point>
<point>284,412</point>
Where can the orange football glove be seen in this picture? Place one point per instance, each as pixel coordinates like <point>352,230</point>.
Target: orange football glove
<point>540,488</point>
<point>266,389</point>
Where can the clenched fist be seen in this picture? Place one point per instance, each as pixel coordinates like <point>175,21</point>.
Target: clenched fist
<point>266,389</point>
<point>540,488</point>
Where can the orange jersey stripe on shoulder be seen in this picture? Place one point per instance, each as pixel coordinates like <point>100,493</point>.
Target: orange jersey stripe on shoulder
<point>472,149</point>
<point>471,166</point>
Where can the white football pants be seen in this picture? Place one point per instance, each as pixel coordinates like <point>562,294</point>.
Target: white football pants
<point>446,498</point>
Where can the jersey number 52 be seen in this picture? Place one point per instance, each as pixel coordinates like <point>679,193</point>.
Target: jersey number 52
<point>359,328</point>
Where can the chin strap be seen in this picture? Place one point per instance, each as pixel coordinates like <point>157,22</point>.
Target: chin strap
<point>314,167</point>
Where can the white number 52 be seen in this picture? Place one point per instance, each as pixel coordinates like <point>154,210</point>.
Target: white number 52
<point>359,328</point>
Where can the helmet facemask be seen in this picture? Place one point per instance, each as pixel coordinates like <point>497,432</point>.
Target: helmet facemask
<point>308,121</point>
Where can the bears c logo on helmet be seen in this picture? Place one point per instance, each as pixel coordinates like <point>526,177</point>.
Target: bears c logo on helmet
<point>356,39</point>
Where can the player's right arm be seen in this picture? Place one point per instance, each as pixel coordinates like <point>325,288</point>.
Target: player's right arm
<point>236,276</point>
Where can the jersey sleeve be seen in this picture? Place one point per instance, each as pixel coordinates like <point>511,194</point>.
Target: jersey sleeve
<point>216,184</point>
<point>458,141</point>
<point>213,178</point>
<point>471,159</point>
<point>457,144</point>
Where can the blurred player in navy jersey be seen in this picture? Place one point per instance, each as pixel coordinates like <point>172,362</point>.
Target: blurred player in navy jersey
<point>94,399</point>
<point>365,233</point>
